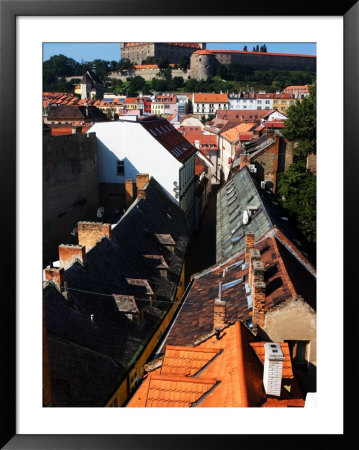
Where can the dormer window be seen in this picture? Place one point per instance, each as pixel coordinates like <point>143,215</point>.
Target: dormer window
<point>121,167</point>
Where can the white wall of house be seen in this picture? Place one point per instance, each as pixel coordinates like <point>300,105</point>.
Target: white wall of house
<point>191,122</point>
<point>264,103</point>
<point>208,108</point>
<point>276,115</point>
<point>140,151</point>
<point>226,153</point>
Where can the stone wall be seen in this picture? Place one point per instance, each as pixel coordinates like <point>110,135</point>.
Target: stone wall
<point>148,74</point>
<point>70,188</point>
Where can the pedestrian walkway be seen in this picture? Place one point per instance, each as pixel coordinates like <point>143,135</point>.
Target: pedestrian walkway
<point>202,248</point>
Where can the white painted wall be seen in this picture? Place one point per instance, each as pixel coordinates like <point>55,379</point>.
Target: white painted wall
<point>140,150</point>
<point>276,115</point>
<point>226,152</point>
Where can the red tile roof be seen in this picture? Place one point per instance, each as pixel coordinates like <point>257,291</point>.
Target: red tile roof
<point>225,372</point>
<point>211,98</point>
<point>287,275</point>
<point>186,361</point>
<point>261,53</point>
<point>275,124</point>
<point>203,52</point>
<point>243,115</point>
<point>190,129</point>
<point>245,136</point>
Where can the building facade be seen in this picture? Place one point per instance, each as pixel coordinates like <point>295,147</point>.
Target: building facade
<point>129,147</point>
<point>137,52</point>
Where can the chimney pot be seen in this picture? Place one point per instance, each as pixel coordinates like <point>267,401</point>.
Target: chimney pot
<point>249,245</point>
<point>89,233</point>
<point>129,192</point>
<point>68,254</point>
<point>219,319</point>
<point>141,180</point>
<point>273,366</point>
<point>56,275</point>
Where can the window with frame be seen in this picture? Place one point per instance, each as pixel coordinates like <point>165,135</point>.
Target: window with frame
<point>121,167</point>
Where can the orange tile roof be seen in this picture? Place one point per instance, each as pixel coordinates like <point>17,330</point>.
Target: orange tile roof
<point>230,375</point>
<point>262,53</point>
<point>203,52</point>
<point>168,391</point>
<point>245,136</point>
<point>231,135</point>
<point>186,361</point>
<point>211,98</point>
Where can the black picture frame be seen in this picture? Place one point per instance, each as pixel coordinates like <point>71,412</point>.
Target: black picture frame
<point>9,10</point>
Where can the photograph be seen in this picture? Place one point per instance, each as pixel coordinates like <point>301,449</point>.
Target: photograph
<point>179,224</point>
<point>171,248</point>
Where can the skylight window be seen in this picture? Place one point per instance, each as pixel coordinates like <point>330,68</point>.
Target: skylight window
<point>232,283</point>
<point>152,132</point>
<point>250,198</point>
<point>237,227</point>
<point>233,266</point>
<point>249,301</point>
<point>237,213</point>
<point>236,239</point>
<point>229,185</point>
<point>230,190</point>
<point>232,201</point>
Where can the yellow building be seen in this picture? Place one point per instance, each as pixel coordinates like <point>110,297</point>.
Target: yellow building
<point>281,102</point>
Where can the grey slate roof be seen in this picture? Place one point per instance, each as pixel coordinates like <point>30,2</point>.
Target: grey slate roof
<point>104,348</point>
<point>239,193</point>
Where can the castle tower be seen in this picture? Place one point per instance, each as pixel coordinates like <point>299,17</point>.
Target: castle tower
<point>202,64</point>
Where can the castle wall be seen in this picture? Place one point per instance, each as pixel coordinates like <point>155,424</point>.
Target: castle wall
<point>267,61</point>
<point>148,74</point>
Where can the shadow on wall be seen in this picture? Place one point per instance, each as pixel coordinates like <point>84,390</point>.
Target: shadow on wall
<point>112,175</point>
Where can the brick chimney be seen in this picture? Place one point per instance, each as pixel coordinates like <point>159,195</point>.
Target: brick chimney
<point>259,304</point>
<point>68,254</point>
<point>141,180</point>
<point>244,160</point>
<point>219,316</point>
<point>249,245</point>
<point>89,233</point>
<point>254,255</point>
<point>56,275</point>
<point>129,192</point>
<point>273,366</point>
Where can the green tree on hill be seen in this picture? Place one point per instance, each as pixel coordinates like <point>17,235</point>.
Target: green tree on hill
<point>184,62</point>
<point>296,187</point>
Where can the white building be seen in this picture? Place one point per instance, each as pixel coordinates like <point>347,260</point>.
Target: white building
<point>148,145</point>
<point>209,104</point>
<point>251,101</point>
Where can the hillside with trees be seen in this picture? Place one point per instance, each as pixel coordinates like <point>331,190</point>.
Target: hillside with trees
<point>232,78</point>
<point>296,187</point>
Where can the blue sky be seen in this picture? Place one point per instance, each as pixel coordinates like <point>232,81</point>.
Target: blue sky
<point>111,51</point>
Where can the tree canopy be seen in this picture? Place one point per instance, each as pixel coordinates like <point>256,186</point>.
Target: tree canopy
<point>296,188</point>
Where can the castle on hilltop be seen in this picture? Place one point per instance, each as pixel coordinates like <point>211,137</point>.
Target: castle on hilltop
<point>204,62</point>
<point>137,52</point>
